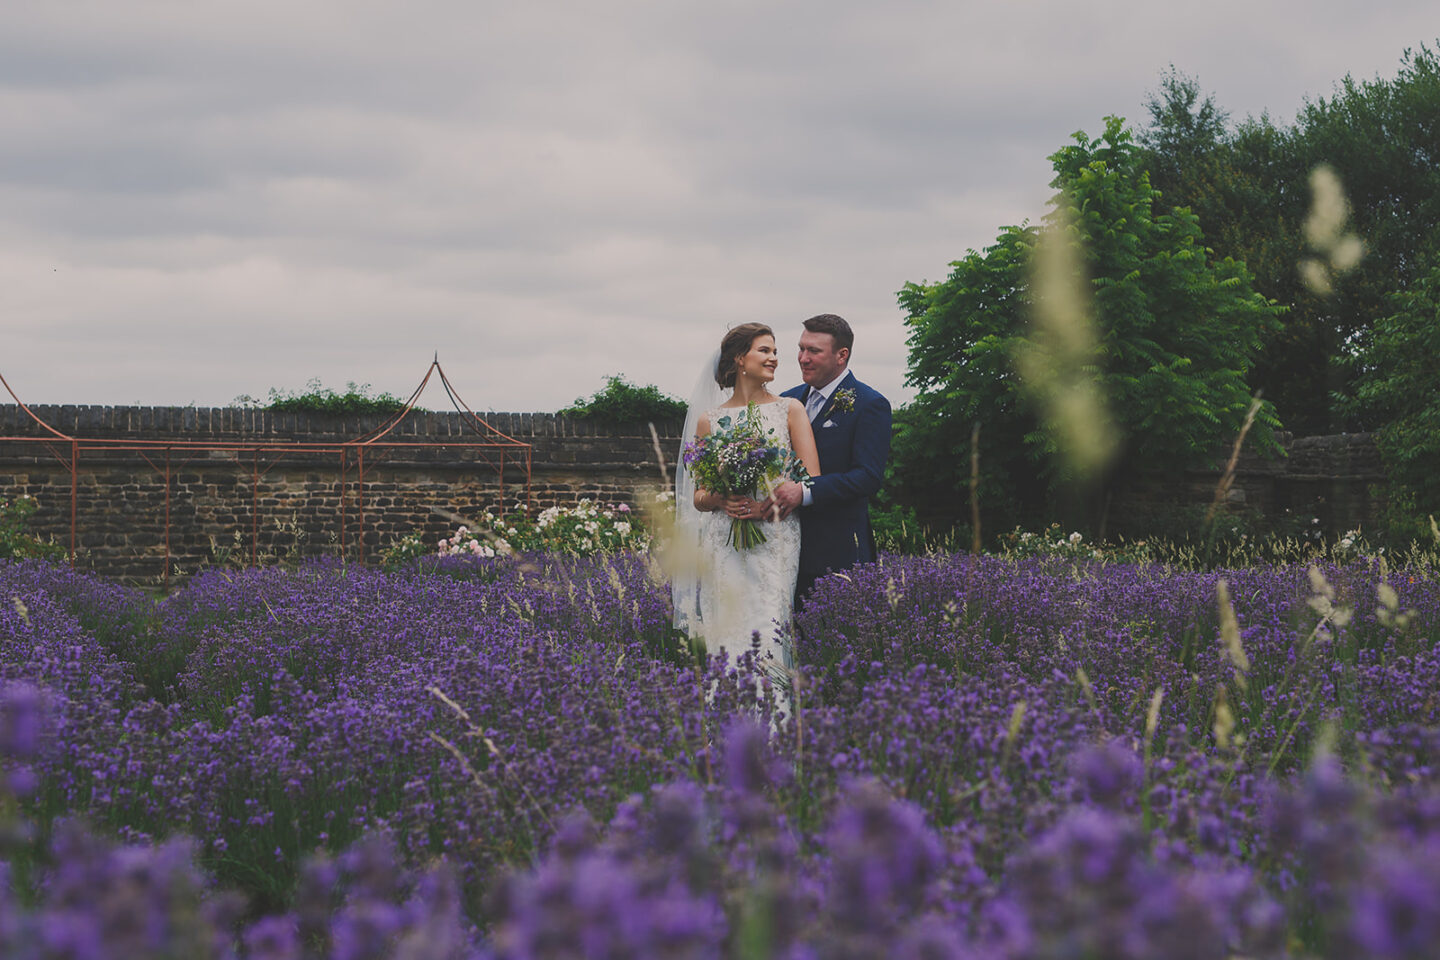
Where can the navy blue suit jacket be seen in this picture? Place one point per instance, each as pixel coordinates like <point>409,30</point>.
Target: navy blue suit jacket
<point>853,446</point>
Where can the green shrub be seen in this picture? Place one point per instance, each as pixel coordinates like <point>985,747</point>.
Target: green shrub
<point>622,402</point>
<point>898,529</point>
<point>356,399</point>
<point>405,551</point>
<point>584,529</point>
<point>1225,549</point>
<point>15,542</point>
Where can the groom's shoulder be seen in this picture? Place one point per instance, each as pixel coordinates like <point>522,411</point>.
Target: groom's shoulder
<point>797,392</point>
<point>867,393</point>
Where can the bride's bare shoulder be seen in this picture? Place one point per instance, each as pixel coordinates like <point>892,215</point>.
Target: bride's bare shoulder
<point>783,403</point>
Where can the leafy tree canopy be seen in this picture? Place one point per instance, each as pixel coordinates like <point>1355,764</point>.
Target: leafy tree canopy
<point>623,402</point>
<point>1168,334</point>
<point>1250,186</point>
<point>1401,387</point>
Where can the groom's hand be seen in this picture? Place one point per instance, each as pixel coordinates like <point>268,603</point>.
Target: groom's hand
<point>784,501</point>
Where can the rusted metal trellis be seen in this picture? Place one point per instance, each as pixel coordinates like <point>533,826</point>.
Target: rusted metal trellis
<point>491,446</point>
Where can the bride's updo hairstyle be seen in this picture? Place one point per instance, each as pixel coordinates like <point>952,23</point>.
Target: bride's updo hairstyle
<point>735,345</point>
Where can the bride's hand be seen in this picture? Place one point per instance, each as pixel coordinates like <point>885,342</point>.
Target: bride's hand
<point>741,508</point>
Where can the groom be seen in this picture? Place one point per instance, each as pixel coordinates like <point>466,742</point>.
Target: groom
<point>852,436</point>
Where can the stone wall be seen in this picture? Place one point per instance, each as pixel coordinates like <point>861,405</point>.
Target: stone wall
<point>1330,483</point>
<point>229,504</point>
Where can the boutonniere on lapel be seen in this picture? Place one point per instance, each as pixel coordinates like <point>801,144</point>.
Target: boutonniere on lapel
<point>843,401</point>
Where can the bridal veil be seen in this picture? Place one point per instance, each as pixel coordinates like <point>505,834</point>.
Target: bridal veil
<point>686,555</point>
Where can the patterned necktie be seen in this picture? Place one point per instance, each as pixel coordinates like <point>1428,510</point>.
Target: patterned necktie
<point>813,403</point>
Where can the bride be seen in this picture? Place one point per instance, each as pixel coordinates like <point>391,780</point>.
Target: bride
<point>731,594</point>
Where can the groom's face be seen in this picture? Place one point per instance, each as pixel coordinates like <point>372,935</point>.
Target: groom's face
<point>819,361</point>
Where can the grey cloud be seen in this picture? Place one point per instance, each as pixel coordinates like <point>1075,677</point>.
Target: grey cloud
<point>203,200</point>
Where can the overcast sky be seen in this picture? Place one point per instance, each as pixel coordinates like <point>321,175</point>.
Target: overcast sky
<point>207,199</point>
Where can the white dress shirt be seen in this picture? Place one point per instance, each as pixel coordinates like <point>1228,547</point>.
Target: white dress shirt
<point>815,401</point>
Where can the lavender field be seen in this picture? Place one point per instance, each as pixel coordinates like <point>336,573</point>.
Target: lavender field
<point>492,757</point>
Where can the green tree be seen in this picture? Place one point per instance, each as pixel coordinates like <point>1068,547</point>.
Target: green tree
<point>963,335</point>
<point>1182,144</point>
<point>1382,138</point>
<point>1175,329</point>
<point>1401,387</point>
<point>1249,184</point>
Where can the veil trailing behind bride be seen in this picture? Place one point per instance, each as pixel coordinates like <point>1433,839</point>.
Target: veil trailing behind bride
<point>724,594</point>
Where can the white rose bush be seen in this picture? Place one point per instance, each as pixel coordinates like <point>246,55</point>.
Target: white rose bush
<point>583,529</point>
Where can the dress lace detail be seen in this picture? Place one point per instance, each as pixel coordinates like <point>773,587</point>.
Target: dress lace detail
<point>745,591</point>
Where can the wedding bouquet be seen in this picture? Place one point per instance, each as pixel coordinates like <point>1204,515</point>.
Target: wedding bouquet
<point>740,457</point>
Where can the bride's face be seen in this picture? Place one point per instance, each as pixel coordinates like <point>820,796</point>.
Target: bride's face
<point>761,361</point>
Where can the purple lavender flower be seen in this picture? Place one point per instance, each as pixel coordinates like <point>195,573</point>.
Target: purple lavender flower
<point>749,766</point>
<point>26,718</point>
<point>596,906</point>
<point>1394,913</point>
<point>128,901</point>
<point>1090,888</point>
<point>290,710</point>
<point>273,938</point>
<point>1109,774</point>
<point>883,863</point>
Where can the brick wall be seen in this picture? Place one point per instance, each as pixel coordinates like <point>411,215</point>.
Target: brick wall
<point>218,509</point>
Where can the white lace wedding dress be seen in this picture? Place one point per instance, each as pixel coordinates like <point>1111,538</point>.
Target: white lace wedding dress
<point>742,592</point>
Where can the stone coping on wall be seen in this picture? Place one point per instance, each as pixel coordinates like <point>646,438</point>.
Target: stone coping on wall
<point>242,423</point>
<point>1349,456</point>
